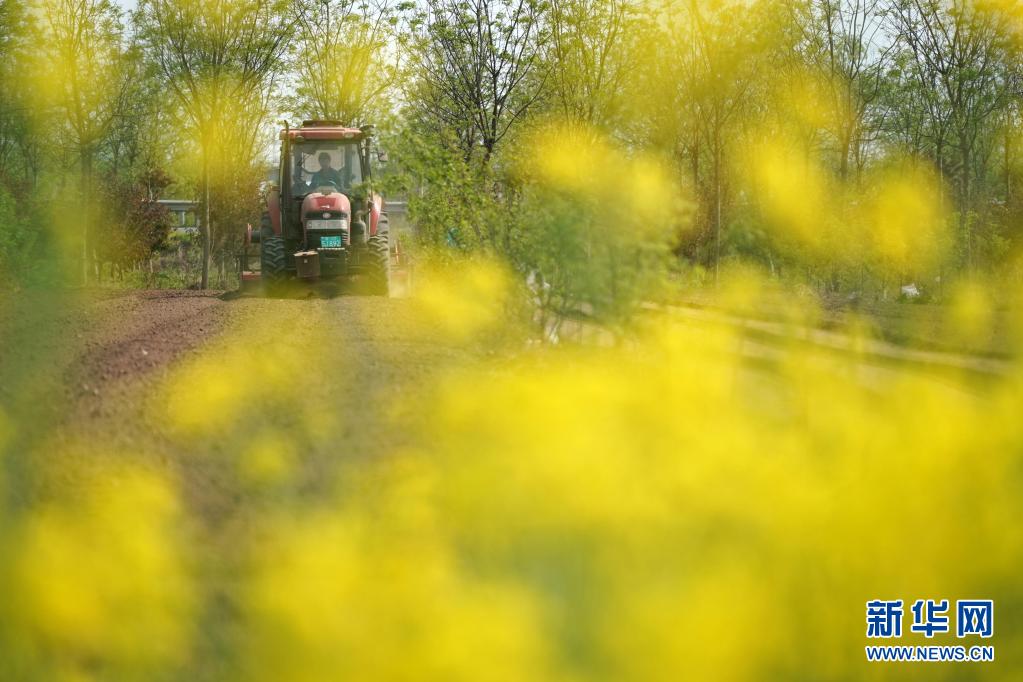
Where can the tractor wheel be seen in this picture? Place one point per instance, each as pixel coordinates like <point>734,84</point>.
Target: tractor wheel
<point>377,268</point>
<point>271,261</point>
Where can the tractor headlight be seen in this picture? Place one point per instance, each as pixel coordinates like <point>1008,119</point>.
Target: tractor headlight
<point>334,224</point>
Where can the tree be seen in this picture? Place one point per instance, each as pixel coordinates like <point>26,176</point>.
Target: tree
<point>721,52</point>
<point>957,51</point>
<point>142,139</point>
<point>341,63</point>
<point>840,40</point>
<point>82,47</point>
<point>476,66</point>
<point>139,223</point>
<point>15,134</point>
<point>590,57</point>
<point>220,59</point>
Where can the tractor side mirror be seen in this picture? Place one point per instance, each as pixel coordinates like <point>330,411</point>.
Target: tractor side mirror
<point>382,156</point>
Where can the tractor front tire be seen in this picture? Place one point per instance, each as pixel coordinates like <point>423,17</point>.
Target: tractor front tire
<point>377,268</point>
<point>272,262</point>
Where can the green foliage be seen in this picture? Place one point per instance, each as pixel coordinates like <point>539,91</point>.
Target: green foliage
<point>137,225</point>
<point>17,242</point>
<point>448,199</point>
<point>584,259</point>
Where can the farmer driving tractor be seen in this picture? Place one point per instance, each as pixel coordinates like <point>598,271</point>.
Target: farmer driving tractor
<point>327,175</point>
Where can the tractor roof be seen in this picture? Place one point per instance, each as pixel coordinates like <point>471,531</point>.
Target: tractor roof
<point>326,130</point>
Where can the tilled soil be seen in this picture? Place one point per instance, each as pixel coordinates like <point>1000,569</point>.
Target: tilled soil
<point>100,377</point>
<point>251,412</point>
<point>82,343</point>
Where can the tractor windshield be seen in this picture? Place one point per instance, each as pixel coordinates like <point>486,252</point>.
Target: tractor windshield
<point>325,163</point>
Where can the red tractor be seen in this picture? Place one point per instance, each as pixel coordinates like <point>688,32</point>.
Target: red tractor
<point>323,218</point>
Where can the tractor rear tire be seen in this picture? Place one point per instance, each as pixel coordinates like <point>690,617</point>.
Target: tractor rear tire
<point>272,262</point>
<point>377,268</point>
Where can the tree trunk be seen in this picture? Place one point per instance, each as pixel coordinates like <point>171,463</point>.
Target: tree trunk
<point>696,160</point>
<point>964,204</point>
<point>85,157</point>
<point>207,230</point>
<point>717,207</point>
<point>1008,166</point>
<point>845,145</point>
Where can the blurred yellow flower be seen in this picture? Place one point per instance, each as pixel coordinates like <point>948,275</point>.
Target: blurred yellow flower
<point>105,579</point>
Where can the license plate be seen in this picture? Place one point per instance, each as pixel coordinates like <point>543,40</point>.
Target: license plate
<point>332,242</point>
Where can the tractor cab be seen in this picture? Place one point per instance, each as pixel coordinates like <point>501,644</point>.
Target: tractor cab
<point>325,163</point>
<point>324,154</point>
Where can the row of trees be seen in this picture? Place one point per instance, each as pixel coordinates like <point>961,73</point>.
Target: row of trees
<point>781,124</point>
<point>755,107</point>
<point>80,117</point>
<point>105,99</point>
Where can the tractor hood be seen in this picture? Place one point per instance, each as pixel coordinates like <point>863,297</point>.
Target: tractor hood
<point>334,204</point>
